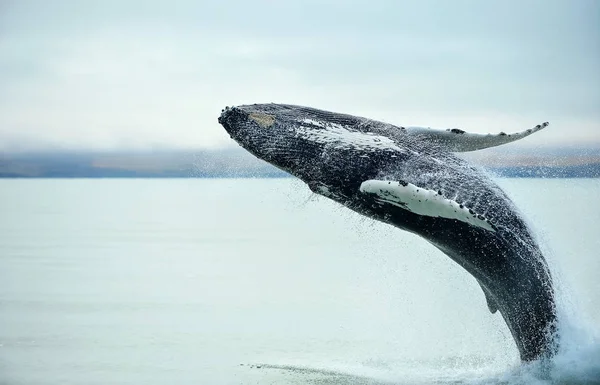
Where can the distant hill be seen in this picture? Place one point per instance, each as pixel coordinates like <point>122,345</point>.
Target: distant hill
<point>135,164</point>
<point>237,163</point>
<point>577,171</point>
<point>516,162</point>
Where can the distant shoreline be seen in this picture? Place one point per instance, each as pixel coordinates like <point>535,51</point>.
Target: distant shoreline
<point>573,172</point>
<point>235,163</point>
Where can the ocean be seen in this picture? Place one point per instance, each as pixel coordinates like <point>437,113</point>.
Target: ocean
<point>259,281</point>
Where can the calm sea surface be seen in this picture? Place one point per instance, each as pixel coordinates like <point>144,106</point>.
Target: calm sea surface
<point>194,281</point>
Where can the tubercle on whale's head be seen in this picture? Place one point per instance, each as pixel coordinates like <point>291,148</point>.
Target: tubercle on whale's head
<point>323,149</point>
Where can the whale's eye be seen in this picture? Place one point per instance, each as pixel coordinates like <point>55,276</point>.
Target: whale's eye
<point>263,120</point>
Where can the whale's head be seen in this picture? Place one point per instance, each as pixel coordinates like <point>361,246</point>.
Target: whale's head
<point>331,152</point>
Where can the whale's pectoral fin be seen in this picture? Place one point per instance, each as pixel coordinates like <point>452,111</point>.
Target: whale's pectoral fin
<point>461,141</point>
<point>422,202</point>
<point>491,302</point>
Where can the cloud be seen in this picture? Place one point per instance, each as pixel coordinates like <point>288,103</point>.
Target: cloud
<point>155,74</point>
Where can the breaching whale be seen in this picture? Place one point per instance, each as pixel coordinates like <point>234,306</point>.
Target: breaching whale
<point>411,178</point>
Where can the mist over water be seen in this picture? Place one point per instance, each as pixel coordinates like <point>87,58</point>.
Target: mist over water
<point>260,281</point>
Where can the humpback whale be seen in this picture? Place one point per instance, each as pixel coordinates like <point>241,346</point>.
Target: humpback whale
<point>412,178</point>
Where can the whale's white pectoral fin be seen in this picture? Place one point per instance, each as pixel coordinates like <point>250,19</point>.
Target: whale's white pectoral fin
<point>422,202</point>
<point>461,141</point>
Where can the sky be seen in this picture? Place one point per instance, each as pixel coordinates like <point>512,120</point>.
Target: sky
<point>156,74</point>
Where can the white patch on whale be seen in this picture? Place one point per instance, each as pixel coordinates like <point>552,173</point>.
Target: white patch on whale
<point>422,201</point>
<point>344,138</point>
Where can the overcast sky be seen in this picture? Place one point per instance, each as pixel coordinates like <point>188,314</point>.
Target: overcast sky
<point>150,74</point>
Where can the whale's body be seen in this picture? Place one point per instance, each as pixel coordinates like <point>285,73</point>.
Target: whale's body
<point>410,178</point>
